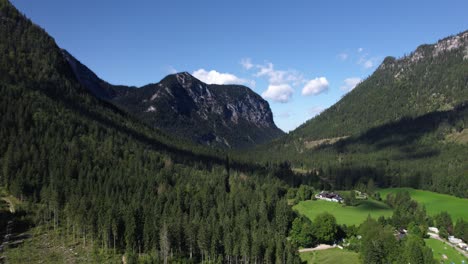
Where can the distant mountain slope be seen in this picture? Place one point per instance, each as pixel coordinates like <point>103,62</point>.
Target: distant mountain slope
<point>406,125</point>
<point>228,116</point>
<point>432,78</point>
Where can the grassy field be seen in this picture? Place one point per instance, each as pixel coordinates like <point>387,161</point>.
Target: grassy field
<point>439,249</point>
<point>349,215</point>
<point>43,245</point>
<point>330,256</point>
<point>48,246</point>
<point>435,202</point>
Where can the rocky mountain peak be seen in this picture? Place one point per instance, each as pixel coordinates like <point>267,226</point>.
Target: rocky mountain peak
<point>221,115</point>
<point>455,43</point>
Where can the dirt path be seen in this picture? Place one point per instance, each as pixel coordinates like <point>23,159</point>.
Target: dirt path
<point>319,247</point>
<point>463,252</point>
<point>11,205</point>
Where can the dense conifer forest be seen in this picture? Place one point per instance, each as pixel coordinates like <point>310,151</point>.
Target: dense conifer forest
<point>113,182</point>
<point>85,168</point>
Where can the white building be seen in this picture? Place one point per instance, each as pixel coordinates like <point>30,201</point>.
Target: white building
<point>454,240</point>
<point>331,197</point>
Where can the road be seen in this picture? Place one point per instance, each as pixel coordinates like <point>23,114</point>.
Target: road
<point>319,247</point>
<point>463,252</point>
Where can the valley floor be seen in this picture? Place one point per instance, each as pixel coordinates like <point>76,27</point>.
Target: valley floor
<point>445,253</point>
<point>435,202</point>
<point>330,256</point>
<point>348,215</point>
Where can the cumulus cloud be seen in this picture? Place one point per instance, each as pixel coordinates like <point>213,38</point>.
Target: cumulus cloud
<point>315,110</point>
<point>278,76</point>
<point>350,83</point>
<point>279,93</point>
<point>343,56</point>
<point>360,50</point>
<point>315,86</point>
<point>215,77</point>
<point>247,63</point>
<point>281,82</point>
<point>367,62</point>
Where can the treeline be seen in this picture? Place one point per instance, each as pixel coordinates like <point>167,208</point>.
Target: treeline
<point>416,152</point>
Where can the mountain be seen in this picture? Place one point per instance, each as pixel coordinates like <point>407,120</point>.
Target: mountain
<point>405,125</point>
<point>227,116</point>
<point>83,166</point>
<point>432,78</point>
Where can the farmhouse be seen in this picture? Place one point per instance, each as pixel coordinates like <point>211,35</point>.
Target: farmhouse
<point>434,230</point>
<point>331,197</point>
<point>454,240</point>
<point>463,246</point>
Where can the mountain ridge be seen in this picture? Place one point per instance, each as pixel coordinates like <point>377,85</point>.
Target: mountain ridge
<point>410,86</point>
<point>227,116</point>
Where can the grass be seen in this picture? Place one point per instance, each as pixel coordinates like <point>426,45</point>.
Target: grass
<point>349,215</point>
<point>49,246</point>
<point>9,199</point>
<point>330,256</point>
<point>435,202</point>
<point>439,249</point>
<point>45,245</point>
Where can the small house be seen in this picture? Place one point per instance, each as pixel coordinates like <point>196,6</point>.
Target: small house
<point>434,230</point>
<point>331,197</point>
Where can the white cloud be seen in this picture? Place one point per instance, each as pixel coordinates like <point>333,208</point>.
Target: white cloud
<point>315,110</point>
<point>367,62</point>
<point>277,77</point>
<point>279,93</point>
<point>360,50</point>
<point>214,77</point>
<point>350,83</point>
<point>247,63</point>
<point>343,56</point>
<point>171,69</point>
<point>315,86</point>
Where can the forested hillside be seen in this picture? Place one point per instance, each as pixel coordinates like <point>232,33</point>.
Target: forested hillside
<point>111,181</point>
<point>406,125</point>
<point>432,78</point>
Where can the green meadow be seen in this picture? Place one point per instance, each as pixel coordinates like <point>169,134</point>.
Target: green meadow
<point>435,202</point>
<point>440,249</point>
<point>330,256</point>
<point>349,215</point>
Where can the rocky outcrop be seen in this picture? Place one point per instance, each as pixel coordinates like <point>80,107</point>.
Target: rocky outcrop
<point>228,116</point>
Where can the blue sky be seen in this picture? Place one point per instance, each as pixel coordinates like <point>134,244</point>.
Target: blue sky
<point>302,56</point>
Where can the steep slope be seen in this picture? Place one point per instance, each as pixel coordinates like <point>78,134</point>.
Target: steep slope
<point>230,116</point>
<point>88,169</point>
<point>92,82</point>
<point>227,116</point>
<point>432,78</point>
